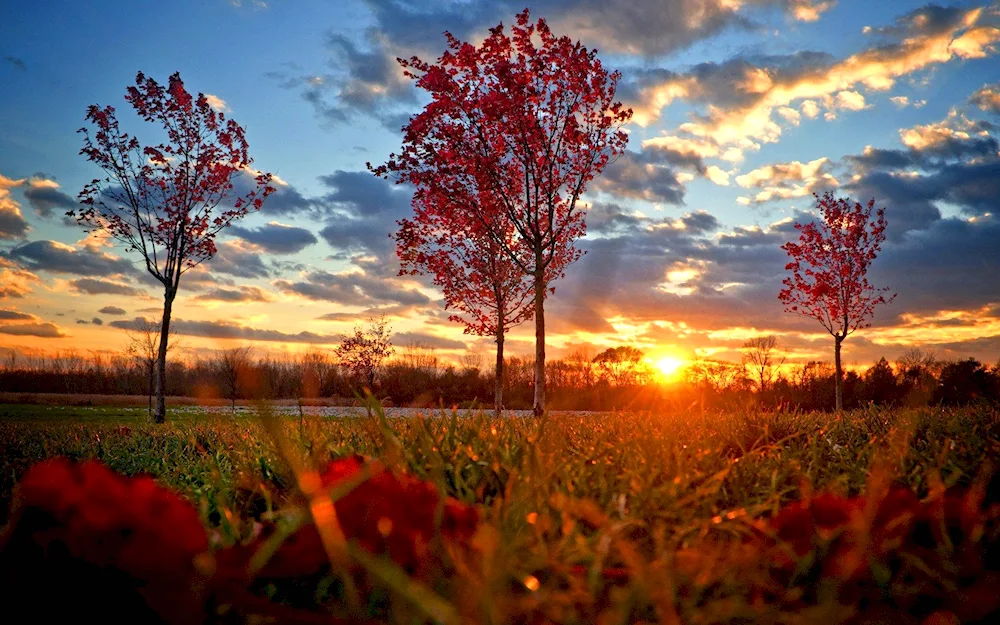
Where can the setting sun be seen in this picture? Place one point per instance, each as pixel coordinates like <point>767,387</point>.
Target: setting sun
<point>670,367</point>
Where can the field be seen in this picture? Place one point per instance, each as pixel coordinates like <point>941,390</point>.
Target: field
<point>604,517</point>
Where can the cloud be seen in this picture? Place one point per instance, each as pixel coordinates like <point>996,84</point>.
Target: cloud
<point>100,286</point>
<point>217,103</point>
<point>229,330</point>
<point>286,199</point>
<point>15,281</point>
<point>58,257</point>
<point>900,101</point>
<point>645,176</point>
<point>237,259</point>
<point>45,197</point>
<point>987,98</point>
<point>787,180</point>
<point>427,340</point>
<point>361,213</point>
<point>42,330</point>
<point>363,77</point>
<point>954,161</point>
<point>97,321</point>
<point>12,223</point>
<point>13,315</point>
<point>276,238</point>
<point>112,310</point>
<point>742,94</point>
<point>15,62</point>
<point>239,294</point>
<point>351,289</point>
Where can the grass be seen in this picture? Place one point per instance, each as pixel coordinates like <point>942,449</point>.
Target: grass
<point>565,491</point>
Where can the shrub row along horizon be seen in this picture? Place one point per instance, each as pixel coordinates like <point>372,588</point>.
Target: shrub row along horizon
<point>516,129</point>
<point>577,382</point>
<point>125,549</point>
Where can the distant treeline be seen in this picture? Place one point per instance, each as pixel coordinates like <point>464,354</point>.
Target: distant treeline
<point>579,382</point>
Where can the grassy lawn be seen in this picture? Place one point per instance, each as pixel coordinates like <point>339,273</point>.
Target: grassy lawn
<point>645,490</point>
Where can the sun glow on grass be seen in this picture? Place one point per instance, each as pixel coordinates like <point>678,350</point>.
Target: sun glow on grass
<point>670,368</point>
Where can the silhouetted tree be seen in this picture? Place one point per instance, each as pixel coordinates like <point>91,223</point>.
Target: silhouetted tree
<point>364,351</point>
<point>758,356</point>
<point>232,367</point>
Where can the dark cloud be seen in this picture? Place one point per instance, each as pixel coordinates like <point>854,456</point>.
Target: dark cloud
<point>43,330</point>
<point>954,161</point>
<point>97,321</point>
<point>987,98</point>
<point>60,258</point>
<point>112,310</point>
<point>363,211</point>
<point>646,176</point>
<point>226,330</point>
<point>276,238</point>
<point>47,199</point>
<point>13,315</point>
<point>426,340</point>
<point>366,80</point>
<point>12,223</point>
<point>239,294</point>
<point>235,260</point>
<point>15,62</point>
<point>98,286</point>
<point>351,289</point>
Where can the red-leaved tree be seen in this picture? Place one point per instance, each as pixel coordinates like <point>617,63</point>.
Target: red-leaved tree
<point>161,200</point>
<point>829,269</point>
<point>515,130</point>
<point>488,291</point>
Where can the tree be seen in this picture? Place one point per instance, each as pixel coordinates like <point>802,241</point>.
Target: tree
<point>513,134</point>
<point>880,383</point>
<point>143,347</point>
<point>161,200</point>
<point>479,281</point>
<point>232,366</point>
<point>364,351</point>
<point>620,366</point>
<point>829,269</point>
<point>758,356</point>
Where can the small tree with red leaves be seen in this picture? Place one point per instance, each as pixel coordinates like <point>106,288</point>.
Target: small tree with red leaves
<point>161,200</point>
<point>515,130</point>
<point>479,281</point>
<point>829,270</point>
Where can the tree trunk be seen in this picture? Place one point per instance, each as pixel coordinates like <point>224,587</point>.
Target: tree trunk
<point>498,385</point>
<point>161,359</point>
<point>149,389</point>
<point>540,286</point>
<point>839,392</point>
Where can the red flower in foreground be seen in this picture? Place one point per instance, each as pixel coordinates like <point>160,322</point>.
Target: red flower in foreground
<point>386,514</point>
<point>117,535</point>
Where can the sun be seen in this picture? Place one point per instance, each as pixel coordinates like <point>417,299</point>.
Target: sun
<point>670,367</point>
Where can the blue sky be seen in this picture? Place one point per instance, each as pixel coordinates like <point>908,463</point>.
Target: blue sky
<point>744,108</point>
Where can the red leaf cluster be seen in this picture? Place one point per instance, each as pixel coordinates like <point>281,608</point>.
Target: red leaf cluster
<point>386,514</point>
<point>130,550</point>
<point>123,535</point>
<point>161,200</point>
<point>913,559</point>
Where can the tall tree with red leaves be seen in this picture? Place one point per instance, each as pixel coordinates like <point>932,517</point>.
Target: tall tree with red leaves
<point>161,200</point>
<point>488,292</point>
<point>515,130</point>
<point>829,270</point>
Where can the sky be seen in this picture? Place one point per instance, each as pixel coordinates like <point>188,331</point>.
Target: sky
<point>742,110</point>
